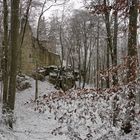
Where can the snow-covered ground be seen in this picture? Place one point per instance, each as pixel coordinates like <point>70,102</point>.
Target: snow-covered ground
<point>76,115</point>
<point>30,125</point>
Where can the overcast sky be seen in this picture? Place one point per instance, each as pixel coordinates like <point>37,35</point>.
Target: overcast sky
<point>72,4</point>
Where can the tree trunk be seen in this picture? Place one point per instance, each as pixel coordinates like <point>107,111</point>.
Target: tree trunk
<point>132,42</point>
<point>85,57</point>
<point>5,57</point>
<point>62,46</point>
<point>79,62</point>
<point>37,51</point>
<point>132,68</point>
<point>114,61</point>
<point>14,54</point>
<point>107,65</point>
<point>36,81</point>
<point>109,42</point>
<point>97,84</point>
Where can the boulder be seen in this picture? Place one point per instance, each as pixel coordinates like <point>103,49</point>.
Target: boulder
<point>62,77</point>
<point>42,71</point>
<point>65,82</point>
<point>23,85</point>
<point>22,82</point>
<point>50,69</point>
<point>38,76</point>
<point>53,77</point>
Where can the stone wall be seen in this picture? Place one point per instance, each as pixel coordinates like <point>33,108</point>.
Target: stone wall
<point>27,57</point>
<point>32,54</point>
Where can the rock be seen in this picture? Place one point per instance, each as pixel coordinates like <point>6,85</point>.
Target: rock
<point>50,69</point>
<point>65,82</point>
<point>63,78</point>
<point>42,71</point>
<point>53,77</point>
<point>22,83</point>
<point>38,76</point>
<point>21,77</point>
<point>126,127</point>
<point>76,75</point>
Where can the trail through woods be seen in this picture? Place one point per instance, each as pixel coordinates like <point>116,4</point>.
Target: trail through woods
<point>30,125</point>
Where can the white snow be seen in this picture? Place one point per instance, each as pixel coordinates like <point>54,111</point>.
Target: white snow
<point>76,115</point>
<point>31,125</point>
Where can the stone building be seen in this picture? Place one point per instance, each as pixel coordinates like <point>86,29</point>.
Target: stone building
<point>33,53</point>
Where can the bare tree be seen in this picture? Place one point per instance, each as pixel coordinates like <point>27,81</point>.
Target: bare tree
<point>5,56</point>
<point>43,10</point>
<point>14,61</point>
<point>114,60</point>
<point>132,41</point>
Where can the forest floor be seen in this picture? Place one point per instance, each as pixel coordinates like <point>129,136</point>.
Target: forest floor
<point>74,115</point>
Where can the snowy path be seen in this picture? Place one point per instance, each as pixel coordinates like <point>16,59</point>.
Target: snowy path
<point>31,125</point>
